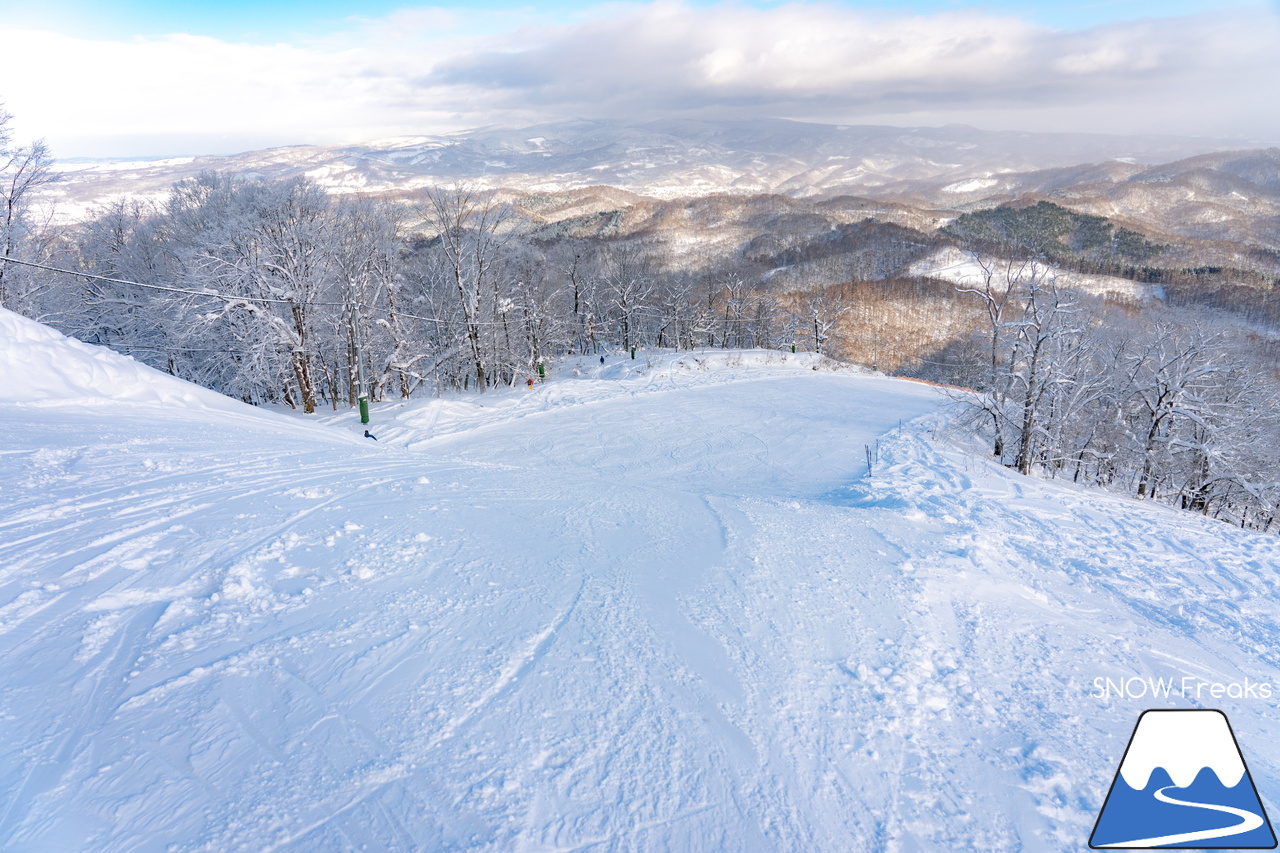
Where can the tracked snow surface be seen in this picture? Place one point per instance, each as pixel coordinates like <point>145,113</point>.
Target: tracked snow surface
<point>658,604</point>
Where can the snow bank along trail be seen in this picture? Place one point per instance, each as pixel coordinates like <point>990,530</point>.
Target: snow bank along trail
<point>654,606</point>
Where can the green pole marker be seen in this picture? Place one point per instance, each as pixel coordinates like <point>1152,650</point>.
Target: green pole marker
<point>542,371</point>
<point>364,408</point>
<point>793,347</point>
<point>633,352</point>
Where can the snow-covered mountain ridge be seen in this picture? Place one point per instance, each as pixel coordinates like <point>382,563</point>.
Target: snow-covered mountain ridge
<point>671,159</point>
<point>646,605</point>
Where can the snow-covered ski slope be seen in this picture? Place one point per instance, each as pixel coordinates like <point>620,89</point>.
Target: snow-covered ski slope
<point>656,605</point>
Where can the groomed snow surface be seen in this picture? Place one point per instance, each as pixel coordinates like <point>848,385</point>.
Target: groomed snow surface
<point>652,605</point>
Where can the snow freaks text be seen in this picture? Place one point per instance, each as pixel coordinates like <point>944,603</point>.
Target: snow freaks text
<point>1186,687</point>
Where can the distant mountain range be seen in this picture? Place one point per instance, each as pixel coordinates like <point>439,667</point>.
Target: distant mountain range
<point>1172,188</point>
<point>663,159</point>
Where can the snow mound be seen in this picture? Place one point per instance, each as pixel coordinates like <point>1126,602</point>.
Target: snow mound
<point>42,367</point>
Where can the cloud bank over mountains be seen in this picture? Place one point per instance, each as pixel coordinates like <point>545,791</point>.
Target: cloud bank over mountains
<point>432,70</point>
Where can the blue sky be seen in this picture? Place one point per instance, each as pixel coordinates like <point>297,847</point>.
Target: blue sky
<point>117,78</point>
<point>260,22</point>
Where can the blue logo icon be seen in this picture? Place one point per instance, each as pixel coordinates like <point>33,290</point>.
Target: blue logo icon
<point>1183,784</point>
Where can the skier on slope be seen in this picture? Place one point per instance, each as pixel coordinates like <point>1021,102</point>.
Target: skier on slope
<point>368,434</point>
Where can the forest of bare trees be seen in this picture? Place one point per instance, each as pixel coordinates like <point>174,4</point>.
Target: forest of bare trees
<point>1162,404</point>
<point>274,291</point>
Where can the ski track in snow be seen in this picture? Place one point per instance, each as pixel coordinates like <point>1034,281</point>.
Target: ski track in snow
<point>658,606</point>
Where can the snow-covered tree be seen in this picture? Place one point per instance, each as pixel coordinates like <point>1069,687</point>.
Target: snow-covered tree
<point>23,170</point>
<point>471,228</point>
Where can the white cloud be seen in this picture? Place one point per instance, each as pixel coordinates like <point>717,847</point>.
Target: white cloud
<point>428,70</point>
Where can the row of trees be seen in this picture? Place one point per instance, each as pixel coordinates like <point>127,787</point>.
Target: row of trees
<point>275,291</point>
